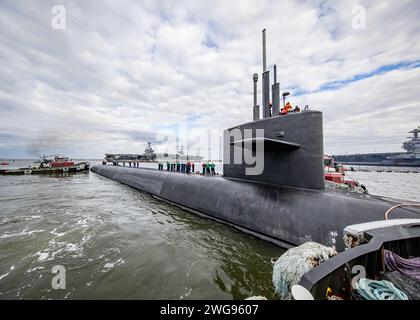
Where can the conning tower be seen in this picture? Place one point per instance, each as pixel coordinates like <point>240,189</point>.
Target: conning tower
<point>290,146</point>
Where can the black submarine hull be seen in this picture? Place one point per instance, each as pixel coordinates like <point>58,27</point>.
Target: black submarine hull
<point>287,216</point>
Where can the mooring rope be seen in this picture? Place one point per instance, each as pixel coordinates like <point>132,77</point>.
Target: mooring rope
<point>379,290</point>
<point>400,205</point>
<point>409,267</point>
<point>294,263</point>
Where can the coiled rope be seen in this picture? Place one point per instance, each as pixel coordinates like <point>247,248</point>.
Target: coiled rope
<point>294,263</point>
<point>379,290</point>
<point>409,267</point>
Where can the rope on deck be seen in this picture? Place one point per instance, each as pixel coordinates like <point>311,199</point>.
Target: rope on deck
<point>409,267</point>
<point>292,265</point>
<point>379,290</point>
<point>415,205</point>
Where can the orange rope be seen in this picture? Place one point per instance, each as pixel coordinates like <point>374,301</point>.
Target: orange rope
<point>401,205</point>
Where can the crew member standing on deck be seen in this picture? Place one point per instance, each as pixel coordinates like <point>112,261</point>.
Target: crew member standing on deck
<point>204,168</point>
<point>193,167</point>
<point>287,108</point>
<point>212,167</point>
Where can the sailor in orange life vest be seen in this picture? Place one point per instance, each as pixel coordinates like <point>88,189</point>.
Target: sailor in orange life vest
<point>287,108</point>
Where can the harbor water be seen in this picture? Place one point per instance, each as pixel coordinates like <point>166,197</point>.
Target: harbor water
<point>118,243</point>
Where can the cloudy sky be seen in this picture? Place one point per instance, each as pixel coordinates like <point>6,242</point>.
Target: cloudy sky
<point>120,71</point>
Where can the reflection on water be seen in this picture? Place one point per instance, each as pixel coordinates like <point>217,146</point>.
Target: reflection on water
<point>116,242</point>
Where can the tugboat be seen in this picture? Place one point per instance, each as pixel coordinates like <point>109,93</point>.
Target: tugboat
<point>57,164</point>
<point>380,255</point>
<point>335,177</point>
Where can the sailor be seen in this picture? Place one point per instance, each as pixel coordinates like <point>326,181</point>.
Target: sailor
<point>212,167</point>
<point>204,168</point>
<point>167,165</point>
<point>297,109</point>
<point>188,167</point>
<point>208,168</point>
<point>286,109</point>
<point>192,167</point>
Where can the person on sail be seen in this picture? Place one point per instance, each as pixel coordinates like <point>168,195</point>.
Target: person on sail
<point>286,109</point>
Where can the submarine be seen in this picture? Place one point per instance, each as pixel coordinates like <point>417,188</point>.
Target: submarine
<point>281,197</point>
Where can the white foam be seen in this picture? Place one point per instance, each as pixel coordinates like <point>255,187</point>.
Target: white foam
<point>110,265</point>
<point>35,269</point>
<point>4,275</point>
<point>24,232</point>
<point>43,256</point>
<point>58,234</point>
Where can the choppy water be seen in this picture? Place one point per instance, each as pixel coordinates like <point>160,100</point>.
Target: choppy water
<point>116,242</point>
<point>401,183</point>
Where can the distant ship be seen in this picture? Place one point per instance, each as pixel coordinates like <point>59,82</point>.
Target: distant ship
<point>409,159</point>
<point>150,155</point>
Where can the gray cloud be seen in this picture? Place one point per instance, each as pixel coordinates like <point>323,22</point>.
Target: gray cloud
<point>119,72</point>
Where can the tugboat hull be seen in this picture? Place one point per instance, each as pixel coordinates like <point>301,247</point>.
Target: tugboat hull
<point>24,171</point>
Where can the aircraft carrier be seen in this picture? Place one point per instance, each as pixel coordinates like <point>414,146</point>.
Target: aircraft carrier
<point>409,159</point>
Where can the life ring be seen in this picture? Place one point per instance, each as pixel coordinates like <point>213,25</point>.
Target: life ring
<point>82,167</point>
<point>65,169</point>
<point>27,172</point>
